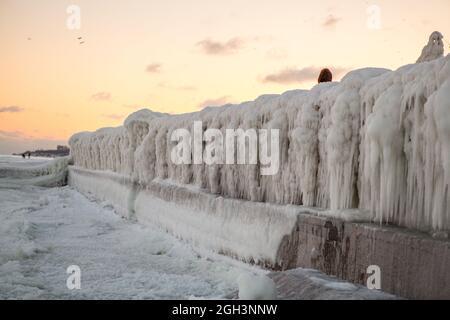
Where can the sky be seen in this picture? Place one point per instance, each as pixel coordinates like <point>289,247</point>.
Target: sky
<point>63,71</point>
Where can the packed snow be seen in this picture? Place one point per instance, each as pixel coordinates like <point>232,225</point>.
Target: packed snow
<point>378,140</point>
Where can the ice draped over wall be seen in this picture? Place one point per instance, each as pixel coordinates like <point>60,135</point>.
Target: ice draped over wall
<point>377,140</point>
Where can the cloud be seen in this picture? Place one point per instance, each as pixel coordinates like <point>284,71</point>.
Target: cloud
<point>214,102</point>
<point>11,109</point>
<point>186,88</point>
<point>295,75</point>
<point>331,21</point>
<point>101,96</point>
<point>212,47</point>
<point>153,68</point>
<point>12,134</point>
<point>113,116</point>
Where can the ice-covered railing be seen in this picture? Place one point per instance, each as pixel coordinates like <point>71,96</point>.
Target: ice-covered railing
<point>377,140</point>
<point>45,173</point>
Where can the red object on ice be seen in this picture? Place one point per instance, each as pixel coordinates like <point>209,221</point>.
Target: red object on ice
<point>325,76</point>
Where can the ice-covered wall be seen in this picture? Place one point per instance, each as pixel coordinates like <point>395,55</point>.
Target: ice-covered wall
<point>252,232</point>
<point>377,140</point>
<point>404,166</point>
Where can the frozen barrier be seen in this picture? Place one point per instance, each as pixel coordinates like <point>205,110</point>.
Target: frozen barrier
<point>114,188</point>
<point>248,231</point>
<point>45,173</point>
<point>378,140</point>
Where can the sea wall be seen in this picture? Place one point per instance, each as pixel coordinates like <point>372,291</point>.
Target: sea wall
<point>378,140</point>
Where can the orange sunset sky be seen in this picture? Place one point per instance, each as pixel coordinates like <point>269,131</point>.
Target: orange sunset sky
<point>178,56</point>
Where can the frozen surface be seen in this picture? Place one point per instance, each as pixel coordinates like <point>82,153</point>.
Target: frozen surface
<point>7,161</point>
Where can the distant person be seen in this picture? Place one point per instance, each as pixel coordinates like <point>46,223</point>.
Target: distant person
<point>29,155</point>
<point>23,155</point>
<point>325,76</point>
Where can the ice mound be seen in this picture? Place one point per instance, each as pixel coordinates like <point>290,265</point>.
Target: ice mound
<point>434,48</point>
<point>256,287</point>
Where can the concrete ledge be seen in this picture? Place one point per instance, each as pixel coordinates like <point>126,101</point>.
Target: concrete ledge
<point>413,265</point>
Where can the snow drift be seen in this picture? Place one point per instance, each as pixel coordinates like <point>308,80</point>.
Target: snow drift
<point>378,140</point>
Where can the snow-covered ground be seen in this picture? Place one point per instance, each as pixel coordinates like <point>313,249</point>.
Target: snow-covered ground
<point>7,161</point>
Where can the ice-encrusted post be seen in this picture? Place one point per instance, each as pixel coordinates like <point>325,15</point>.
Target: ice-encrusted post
<point>434,48</point>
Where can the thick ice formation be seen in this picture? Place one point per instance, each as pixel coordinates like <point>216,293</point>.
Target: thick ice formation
<point>37,172</point>
<point>434,48</point>
<point>256,287</point>
<point>377,140</point>
<point>403,148</point>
